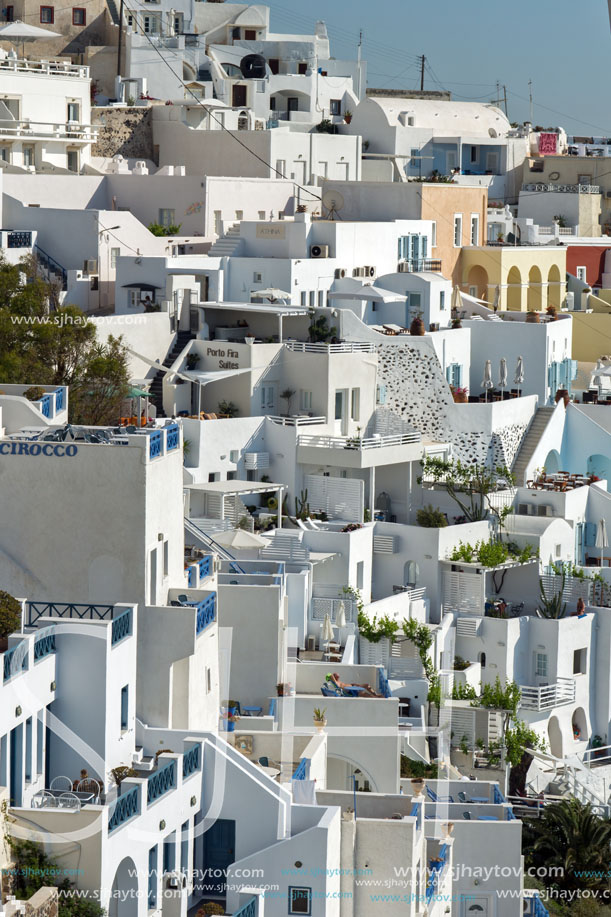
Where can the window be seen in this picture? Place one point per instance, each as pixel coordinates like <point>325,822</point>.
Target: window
<point>300,900</point>
<point>234,456</point>
<point>541,665</point>
<point>454,374</point>
<point>482,660</point>
<point>355,397</point>
<point>231,475</point>
<point>433,234</point>
<point>74,111</point>
<point>184,841</point>
<point>457,230</point>
<point>169,854</point>
<point>442,300</point>
<point>166,557</point>
<point>257,277</point>
<point>474,229</point>
<point>239,215</point>
<point>114,254</point>
<point>5,154</point>
<point>339,404</point>
<point>305,400</point>
<point>40,744</point>
<point>214,476</point>
<point>558,550</point>
<point>415,156</point>
<point>79,16</point>
<point>335,106</point>
<point>47,15</point>
<point>28,155</point>
<point>581,273</point>
<point>133,298</point>
<point>72,160</point>
<point>360,574</point>
<point>10,13</point>
<point>208,680</point>
<point>473,154</point>
<point>261,214</point>
<point>250,34</point>
<point>302,68</point>
<point>124,707</point>
<point>28,748</point>
<point>267,398</point>
<point>321,299</point>
<point>492,163</point>
<point>281,168</point>
<point>312,298</point>
<point>304,298</point>
<point>152,879</point>
<point>580,661</point>
<point>380,394</point>
<point>274,66</point>
<point>167,217</point>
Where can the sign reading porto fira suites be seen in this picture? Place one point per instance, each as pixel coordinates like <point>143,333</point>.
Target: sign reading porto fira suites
<point>47,449</point>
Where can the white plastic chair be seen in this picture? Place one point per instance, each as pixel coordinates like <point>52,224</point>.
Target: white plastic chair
<point>61,783</point>
<point>69,801</point>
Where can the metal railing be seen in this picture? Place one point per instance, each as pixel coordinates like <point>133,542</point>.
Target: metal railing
<point>18,239</point>
<point>15,660</point>
<point>568,189</point>
<point>353,442</point>
<point>63,130</point>
<point>416,265</point>
<point>44,642</point>
<point>206,613</point>
<point>51,265</point>
<point>121,627</point>
<point>544,697</point>
<point>45,68</point>
<point>36,610</point>
<point>302,770</point>
<point>343,347</point>
<point>161,782</point>
<point>298,421</point>
<point>125,807</point>
<point>250,909</point>
<point>191,761</point>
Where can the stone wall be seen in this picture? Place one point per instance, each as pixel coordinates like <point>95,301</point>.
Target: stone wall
<point>124,131</point>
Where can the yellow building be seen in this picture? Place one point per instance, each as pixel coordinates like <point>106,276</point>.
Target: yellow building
<point>592,329</point>
<point>529,277</point>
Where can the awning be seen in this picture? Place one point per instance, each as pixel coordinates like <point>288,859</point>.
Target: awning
<point>138,393</point>
<point>141,286</point>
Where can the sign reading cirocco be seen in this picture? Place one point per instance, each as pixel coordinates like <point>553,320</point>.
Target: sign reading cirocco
<point>21,448</point>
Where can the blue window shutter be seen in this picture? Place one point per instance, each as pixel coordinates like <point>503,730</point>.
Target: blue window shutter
<point>423,246</point>
<point>399,248</point>
<point>574,367</point>
<point>450,374</point>
<point>590,534</point>
<point>381,399</point>
<point>459,374</point>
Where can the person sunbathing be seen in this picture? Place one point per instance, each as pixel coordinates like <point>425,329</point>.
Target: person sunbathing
<point>365,690</point>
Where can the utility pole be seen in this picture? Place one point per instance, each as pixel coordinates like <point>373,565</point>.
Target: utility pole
<point>505,99</point>
<point>119,46</point>
<point>422,73</point>
<point>498,93</point>
<point>359,55</point>
<point>530,96</point>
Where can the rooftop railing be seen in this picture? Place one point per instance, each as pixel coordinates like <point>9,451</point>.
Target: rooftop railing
<point>36,610</point>
<point>567,189</point>
<point>15,660</point>
<point>297,421</point>
<point>45,68</point>
<point>353,442</point>
<point>161,782</point>
<point>343,347</point>
<point>25,128</point>
<point>124,808</point>
<point>545,697</point>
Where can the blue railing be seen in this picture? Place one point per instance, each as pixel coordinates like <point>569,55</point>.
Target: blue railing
<point>121,626</point>
<point>191,571</point>
<point>383,684</point>
<point>510,815</point>
<point>44,643</point>
<point>302,771</point>
<point>436,867</point>
<point>247,910</point>
<point>172,437</point>
<point>60,399</point>
<point>45,405</point>
<point>191,761</point>
<point>272,707</point>
<point>206,613</point>
<point>36,610</point>
<point>155,444</point>
<point>16,660</point>
<point>124,808</point>
<point>535,907</point>
<point>497,797</point>
<point>205,567</point>
<point>417,814</point>
<point>19,240</point>
<point>161,782</point>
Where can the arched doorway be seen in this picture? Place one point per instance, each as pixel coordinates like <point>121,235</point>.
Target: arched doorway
<point>579,724</point>
<point>340,772</point>
<point>534,298</point>
<point>552,462</point>
<point>124,895</point>
<point>600,465</point>
<point>555,287</point>
<point>555,736</point>
<point>477,282</point>
<point>514,290</point>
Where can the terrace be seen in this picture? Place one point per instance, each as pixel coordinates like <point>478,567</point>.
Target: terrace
<point>69,439</point>
<point>359,452</point>
<point>282,756</point>
<point>47,130</point>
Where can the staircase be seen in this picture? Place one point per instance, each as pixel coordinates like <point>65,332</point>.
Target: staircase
<point>227,244</point>
<point>112,9</point>
<point>529,444</point>
<point>156,387</point>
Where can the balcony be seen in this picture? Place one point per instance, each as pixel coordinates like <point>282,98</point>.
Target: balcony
<point>354,452</point>
<point>567,189</point>
<point>45,68</point>
<point>417,265</point>
<point>545,697</point>
<point>343,347</point>
<point>47,130</point>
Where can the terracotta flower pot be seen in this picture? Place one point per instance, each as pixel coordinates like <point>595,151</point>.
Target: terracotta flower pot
<point>417,327</point>
<point>417,786</point>
<point>460,397</point>
<point>533,317</point>
<point>562,395</point>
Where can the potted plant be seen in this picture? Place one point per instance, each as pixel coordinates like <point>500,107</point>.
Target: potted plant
<point>348,116</point>
<point>320,720</point>
<point>598,746</point>
<point>460,394</point>
<point>533,317</point>
<point>10,618</point>
<point>230,714</point>
<point>562,394</point>
<point>552,311</point>
<point>417,786</point>
<point>283,689</point>
<point>192,360</point>
<point>417,327</point>
<point>34,393</point>
<point>249,339</point>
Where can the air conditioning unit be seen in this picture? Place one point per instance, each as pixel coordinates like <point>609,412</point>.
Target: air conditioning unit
<point>404,267</point>
<point>370,271</point>
<point>319,251</point>
<point>365,271</point>
<point>173,882</point>
<point>522,509</point>
<point>91,266</point>
<point>340,273</point>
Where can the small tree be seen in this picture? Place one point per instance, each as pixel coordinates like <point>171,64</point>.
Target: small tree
<point>552,607</point>
<point>10,614</point>
<point>287,395</point>
<point>469,486</point>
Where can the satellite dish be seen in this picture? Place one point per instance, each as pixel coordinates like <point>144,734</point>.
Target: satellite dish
<point>253,67</point>
<point>333,201</point>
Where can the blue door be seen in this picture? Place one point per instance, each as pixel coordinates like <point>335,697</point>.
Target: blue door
<point>16,783</point>
<point>219,853</point>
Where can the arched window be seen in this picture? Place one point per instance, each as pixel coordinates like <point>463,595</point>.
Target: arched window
<point>482,660</point>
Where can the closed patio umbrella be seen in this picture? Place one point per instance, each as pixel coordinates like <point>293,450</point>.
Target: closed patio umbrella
<point>519,376</point>
<point>602,541</point>
<point>503,375</point>
<point>497,299</point>
<point>456,302</point>
<point>326,634</point>
<point>341,615</point>
<point>487,382</point>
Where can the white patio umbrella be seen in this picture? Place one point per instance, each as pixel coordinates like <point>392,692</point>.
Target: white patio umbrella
<point>326,633</point>
<point>272,293</point>
<point>19,31</point>
<point>602,541</point>
<point>456,301</point>
<point>340,621</point>
<point>503,375</point>
<point>519,376</point>
<point>366,292</point>
<point>497,299</point>
<point>487,382</point>
<point>239,538</point>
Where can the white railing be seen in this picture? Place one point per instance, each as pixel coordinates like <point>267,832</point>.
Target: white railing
<point>569,189</point>
<point>63,130</point>
<point>544,697</point>
<point>300,421</point>
<point>599,756</point>
<point>345,347</point>
<point>353,442</point>
<point>45,68</point>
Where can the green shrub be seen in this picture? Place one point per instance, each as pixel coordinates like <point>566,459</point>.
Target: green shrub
<point>429,517</point>
<point>34,393</point>
<point>10,614</point>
